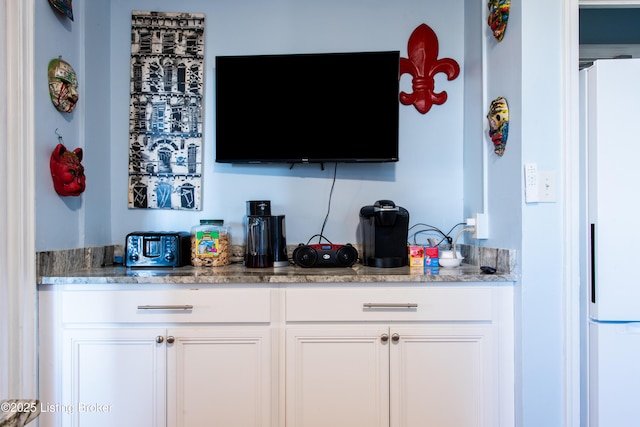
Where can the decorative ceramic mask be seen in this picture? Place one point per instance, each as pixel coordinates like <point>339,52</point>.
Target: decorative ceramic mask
<point>499,124</point>
<point>67,172</point>
<point>63,6</point>
<point>498,17</point>
<point>63,85</point>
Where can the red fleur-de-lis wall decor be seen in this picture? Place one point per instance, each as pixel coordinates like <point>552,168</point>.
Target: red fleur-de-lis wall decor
<point>423,64</point>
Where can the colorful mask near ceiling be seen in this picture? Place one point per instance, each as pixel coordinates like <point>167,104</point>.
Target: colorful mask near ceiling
<point>423,64</point>
<point>498,17</point>
<point>63,6</point>
<point>498,124</point>
<point>63,85</point>
<point>67,171</point>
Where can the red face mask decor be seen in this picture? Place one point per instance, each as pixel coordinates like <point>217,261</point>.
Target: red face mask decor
<point>67,172</point>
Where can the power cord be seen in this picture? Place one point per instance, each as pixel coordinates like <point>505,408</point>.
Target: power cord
<point>321,235</point>
<point>430,228</point>
<point>320,239</point>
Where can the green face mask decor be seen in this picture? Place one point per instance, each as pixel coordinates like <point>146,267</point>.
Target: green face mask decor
<point>63,85</point>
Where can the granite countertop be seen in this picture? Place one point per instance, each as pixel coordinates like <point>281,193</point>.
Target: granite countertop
<point>18,412</point>
<point>237,273</point>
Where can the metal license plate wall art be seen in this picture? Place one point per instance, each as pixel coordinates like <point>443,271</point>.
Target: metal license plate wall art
<point>165,111</point>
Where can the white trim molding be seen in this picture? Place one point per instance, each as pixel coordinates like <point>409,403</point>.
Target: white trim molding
<point>571,200</point>
<point>18,313</point>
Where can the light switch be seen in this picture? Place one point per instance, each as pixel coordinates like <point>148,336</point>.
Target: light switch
<point>547,187</point>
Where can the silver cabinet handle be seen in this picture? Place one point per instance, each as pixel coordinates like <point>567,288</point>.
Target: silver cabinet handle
<point>165,307</point>
<point>159,339</point>
<point>384,337</point>
<point>395,337</point>
<point>389,305</point>
<point>170,339</point>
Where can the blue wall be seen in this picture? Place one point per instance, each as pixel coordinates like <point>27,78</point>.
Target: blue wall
<point>428,179</point>
<point>446,170</point>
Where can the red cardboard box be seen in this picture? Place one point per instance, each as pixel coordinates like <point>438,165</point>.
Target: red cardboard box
<point>416,256</point>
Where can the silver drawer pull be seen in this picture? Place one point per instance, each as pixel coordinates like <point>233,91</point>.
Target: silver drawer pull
<point>165,307</point>
<point>389,305</point>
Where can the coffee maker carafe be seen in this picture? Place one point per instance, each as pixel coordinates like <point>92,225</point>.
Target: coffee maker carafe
<point>384,228</point>
<point>258,251</point>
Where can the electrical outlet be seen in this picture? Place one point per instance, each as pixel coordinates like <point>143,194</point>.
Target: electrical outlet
<point>481,230</point>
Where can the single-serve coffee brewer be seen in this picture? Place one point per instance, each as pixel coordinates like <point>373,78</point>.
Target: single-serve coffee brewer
<point>266,243</point>
<point>384,228</point>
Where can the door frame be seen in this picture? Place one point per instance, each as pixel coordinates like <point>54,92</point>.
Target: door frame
<point>18,302</point>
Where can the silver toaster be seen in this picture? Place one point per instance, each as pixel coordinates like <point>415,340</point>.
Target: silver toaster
<point>157,249</point>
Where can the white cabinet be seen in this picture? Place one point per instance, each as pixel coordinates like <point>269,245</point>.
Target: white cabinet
<point>443,376</point>
<point>402,357</point>
<point>219,376</point>
<point>337,377</point>
<point>156,358</point>
<point>294,355</point>
<point>119,370</point>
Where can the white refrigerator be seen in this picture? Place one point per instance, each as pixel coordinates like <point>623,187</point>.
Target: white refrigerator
<point>612,110</point>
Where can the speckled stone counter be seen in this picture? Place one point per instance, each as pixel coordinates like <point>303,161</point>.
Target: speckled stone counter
<point>93,266</point>
<point>18,412</point>
<point>237,273</point>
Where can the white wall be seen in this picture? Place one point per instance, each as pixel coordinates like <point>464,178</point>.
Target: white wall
<point>427,180</point>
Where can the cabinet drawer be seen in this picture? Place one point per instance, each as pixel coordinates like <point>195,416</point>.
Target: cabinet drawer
<point>184,305</point>
<point>389,304</point>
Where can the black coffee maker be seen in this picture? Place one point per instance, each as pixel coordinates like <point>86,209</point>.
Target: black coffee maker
<point>384,228</point>
<point>266,243</point>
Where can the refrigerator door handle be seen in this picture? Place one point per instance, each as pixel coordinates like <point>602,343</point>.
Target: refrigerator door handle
<point>592,238</point>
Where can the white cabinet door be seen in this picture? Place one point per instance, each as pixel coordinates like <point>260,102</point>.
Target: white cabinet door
<point>134,358</point>
<point>219,376</point>
<point>442,376</point>
<point>112,377</point>
<point>447,362</point>
<point>337,377</point>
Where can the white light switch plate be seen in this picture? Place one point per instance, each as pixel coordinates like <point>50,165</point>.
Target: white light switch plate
<point>547,187</point>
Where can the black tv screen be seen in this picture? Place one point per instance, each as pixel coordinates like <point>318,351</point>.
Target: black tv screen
<point>309,108</point>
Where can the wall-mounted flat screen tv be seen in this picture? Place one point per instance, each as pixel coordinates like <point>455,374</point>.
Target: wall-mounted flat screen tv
<point>307,108</point>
